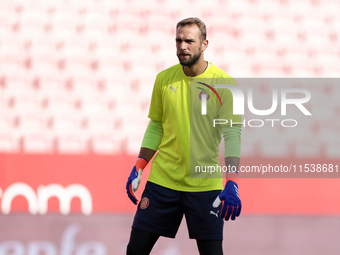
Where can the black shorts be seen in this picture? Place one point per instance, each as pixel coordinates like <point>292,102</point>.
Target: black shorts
<point>161,210</point>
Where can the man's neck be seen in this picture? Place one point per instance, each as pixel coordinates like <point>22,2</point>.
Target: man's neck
<point>196,69</point>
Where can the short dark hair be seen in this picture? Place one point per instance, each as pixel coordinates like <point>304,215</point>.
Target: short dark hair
<point>198,22</point>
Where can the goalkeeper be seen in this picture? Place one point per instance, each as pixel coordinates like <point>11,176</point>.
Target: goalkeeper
<point>185,137</point>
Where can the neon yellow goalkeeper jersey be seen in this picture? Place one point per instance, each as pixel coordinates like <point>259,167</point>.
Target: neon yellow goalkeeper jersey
<point>189,138</point>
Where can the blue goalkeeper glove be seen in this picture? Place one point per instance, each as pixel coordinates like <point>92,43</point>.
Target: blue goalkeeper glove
<point>231,203</point>
<point>135,178</point>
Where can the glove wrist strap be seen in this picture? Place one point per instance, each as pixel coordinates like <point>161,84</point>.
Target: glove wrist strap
<point>141,163</point>
<point>232,177</point>
<point>232,180</point>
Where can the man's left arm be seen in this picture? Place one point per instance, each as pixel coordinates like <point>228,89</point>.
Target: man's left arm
<point>229,197</point>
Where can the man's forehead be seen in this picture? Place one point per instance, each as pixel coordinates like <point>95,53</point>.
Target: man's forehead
<point>188,31</point>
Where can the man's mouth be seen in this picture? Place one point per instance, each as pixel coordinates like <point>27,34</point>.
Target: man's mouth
<point>184,55</point>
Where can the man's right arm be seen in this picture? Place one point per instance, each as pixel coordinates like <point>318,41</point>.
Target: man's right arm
<point>151,141</point>
<point>146,153</point>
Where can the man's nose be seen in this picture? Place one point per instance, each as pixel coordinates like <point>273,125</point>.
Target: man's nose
<point>183,46</point>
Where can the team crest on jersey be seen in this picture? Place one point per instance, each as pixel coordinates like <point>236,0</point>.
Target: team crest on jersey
<point>206,91</point>
<point>144,203</point>
<point>203,92</point>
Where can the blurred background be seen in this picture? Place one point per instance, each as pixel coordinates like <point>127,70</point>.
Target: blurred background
<point>76,78</point>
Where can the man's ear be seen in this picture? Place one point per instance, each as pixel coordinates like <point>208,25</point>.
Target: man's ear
<point>204,45</point>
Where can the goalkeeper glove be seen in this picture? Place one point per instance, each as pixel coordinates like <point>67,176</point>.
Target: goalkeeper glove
<point>135,178</point>
<point>231,203</point>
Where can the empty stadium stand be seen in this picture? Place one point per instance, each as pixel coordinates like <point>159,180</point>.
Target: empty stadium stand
<point>77,76</point>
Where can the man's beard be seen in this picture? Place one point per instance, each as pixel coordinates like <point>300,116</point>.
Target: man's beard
<point>191,61</point>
